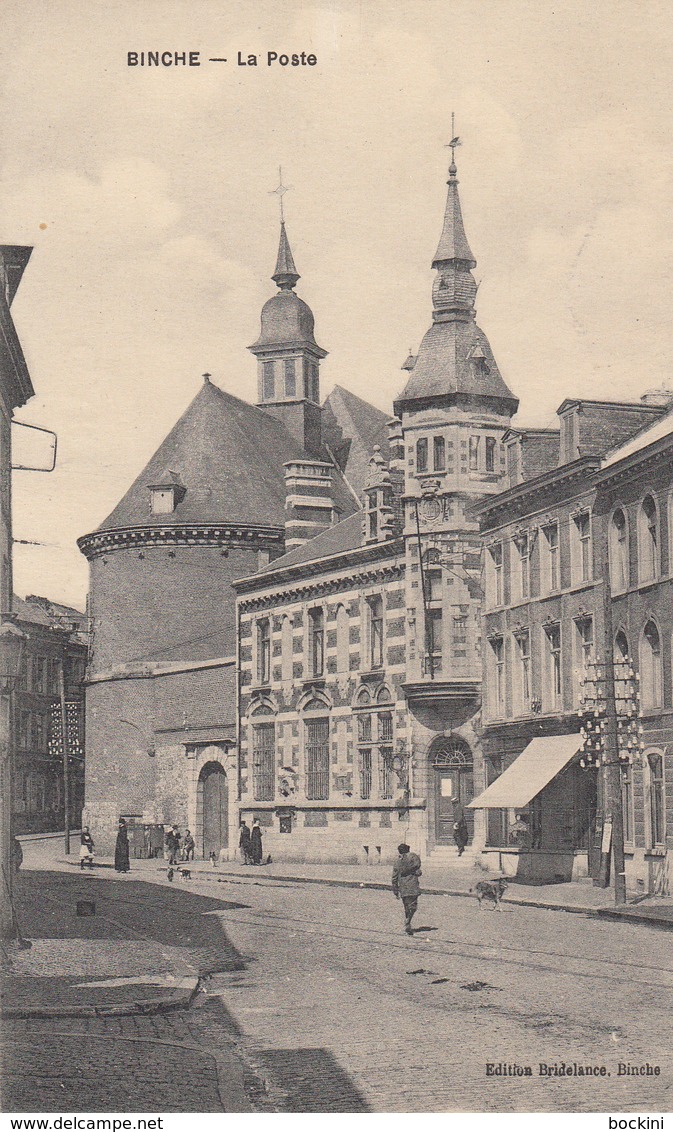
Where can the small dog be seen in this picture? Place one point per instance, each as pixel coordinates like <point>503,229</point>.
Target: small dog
<point>185,874</point>
<point>490,891</point>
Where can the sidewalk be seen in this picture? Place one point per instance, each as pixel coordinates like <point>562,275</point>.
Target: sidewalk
<point>109,945</point>
<point>579,897</point>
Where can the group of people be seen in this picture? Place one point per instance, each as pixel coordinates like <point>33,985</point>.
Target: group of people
<point>250,843</point>
<point>179,848</point>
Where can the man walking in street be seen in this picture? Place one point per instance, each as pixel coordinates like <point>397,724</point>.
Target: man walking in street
<point>406,871</point>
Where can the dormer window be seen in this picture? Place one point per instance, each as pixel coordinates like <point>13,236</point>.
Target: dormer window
<point>165,496</point>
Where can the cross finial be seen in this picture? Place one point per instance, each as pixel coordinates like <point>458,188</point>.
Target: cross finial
<point>280,192</point>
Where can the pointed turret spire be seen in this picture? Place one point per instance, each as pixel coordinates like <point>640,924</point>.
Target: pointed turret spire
<point>286,274</point>
<point>453,243</point>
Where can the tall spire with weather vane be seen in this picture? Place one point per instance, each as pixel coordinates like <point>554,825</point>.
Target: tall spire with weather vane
<point>455,357</point>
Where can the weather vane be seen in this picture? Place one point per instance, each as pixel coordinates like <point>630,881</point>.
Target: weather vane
<point>455,141</point>
<point>280,192</point>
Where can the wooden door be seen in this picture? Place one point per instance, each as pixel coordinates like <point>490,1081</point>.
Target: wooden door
<point>215,806</point>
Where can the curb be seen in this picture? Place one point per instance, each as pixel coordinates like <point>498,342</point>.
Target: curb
<point>578,909</point>
<point>177,1000</point>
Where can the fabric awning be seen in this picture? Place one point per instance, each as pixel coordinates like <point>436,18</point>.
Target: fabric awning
<point>537,764</point>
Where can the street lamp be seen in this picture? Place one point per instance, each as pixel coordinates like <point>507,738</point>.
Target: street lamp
<point>12,640</point>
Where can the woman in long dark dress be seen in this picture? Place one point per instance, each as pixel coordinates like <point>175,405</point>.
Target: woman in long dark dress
<point>256,843</point>
<point>122,849</point>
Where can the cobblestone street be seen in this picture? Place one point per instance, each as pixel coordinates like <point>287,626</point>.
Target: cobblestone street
<point>346,1013</point>
<point>337,1010</point>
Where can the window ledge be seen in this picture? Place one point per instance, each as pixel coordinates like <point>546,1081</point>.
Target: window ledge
<point>656,851</point>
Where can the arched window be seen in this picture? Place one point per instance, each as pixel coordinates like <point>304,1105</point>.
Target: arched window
<point>342,631</point>
<point>621,646</point>
<point>648,540</point>
<point>619,551</point>
<point>286,648</point>
<point>651,682</point>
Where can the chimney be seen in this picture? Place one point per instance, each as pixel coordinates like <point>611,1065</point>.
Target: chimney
<point>382,493</point>
<point>309,504</point>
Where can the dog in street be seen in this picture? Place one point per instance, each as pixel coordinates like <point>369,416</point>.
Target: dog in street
<point>490,891</point>
<point>185,874</point>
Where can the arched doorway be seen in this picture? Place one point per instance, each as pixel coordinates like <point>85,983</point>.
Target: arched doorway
<point>213,805</point>
<point>453,768</point>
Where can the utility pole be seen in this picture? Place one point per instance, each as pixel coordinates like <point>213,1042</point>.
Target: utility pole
<point>611,766</point>
<point>64,740</point>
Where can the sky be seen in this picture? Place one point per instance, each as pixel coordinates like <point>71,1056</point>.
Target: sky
<point>147,196</point>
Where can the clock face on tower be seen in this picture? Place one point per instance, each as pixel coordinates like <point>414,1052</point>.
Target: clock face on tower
<point>430,510</point>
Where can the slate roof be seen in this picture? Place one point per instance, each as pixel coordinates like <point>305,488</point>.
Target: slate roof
<point>339,539</point>
<point>453,241</point>
<point>351,427</point>
<point>229,455</point>
<point>444,365</point>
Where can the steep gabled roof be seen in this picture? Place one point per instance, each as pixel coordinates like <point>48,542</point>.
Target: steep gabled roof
<point>229,455</point>
<point>351,427</point>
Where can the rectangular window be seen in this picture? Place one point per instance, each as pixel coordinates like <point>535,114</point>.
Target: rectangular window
<point>522,653</point>
<point>290,377</point>
<point>434,657</point>
<point>498,684</point>
<point>439,453</point>
<point>263,758</point>
<point>364,728</point>
<point>365,767</point>
<point>385,727</point>
<point>385,772</point>
<point>553,682</point>
<point>315,384</point>
<point>269,384</point>
<point>375,605</point>
<point>459,627</point>
<point>522,567</point>
<point>491,445</point>
<point>24,730</point>
<point>496,588</point>
<point>54,667</point>
<point>549,549</point>
<point>584,647</point>
<point>627,803</point>
<point>474,453</point>
<point>263,651</point>
<point>657,821</point>
<point>317,759</point>
<point>307,379</point>
<point>422,455</point>
<point>317,641</point>
<point>39,674</point>
<point>581,547</point>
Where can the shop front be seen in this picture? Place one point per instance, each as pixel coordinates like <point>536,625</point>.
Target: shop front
<point>541,811</point>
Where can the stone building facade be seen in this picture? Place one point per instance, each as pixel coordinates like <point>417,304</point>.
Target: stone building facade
<point>232,487</point>
<point>55,636</point>
<point>15,390</point>
<point>600,510</point>
<point>397,736</point>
